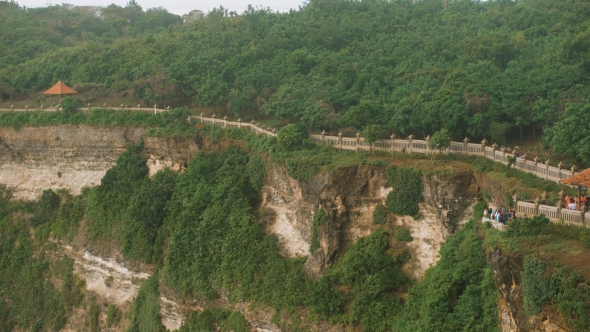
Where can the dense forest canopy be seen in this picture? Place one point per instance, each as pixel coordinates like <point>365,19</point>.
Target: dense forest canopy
<point>504,70</point>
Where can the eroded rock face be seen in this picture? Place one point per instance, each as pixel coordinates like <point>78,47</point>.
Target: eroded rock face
<point>349,196</point>
<point>72,157</point>
<point>34,159</point>
<point>508,269</point>
<point>507,274</point>
<point>109,277</point>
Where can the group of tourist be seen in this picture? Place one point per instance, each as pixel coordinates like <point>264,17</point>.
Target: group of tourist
<point>572,204</point>
<point>502,214</point>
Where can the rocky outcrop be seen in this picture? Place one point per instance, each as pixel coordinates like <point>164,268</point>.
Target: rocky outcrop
<point>508,269</point>
<point>34,159</point>
<point>349,196</point>
<point>72,157</point>
<point>507,274</point>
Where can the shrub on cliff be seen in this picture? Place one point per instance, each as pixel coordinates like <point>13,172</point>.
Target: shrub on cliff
<point>70,104</point>
<point>379,214</point>
<point>319,219</point>
<point>372,273</point>
<point>292,136</point>
<point>144,216</point>
<point>108,202</point>
<point>407,191</point>
<point>145,312</point>
<point>46,208</point>
<point>458,293</point>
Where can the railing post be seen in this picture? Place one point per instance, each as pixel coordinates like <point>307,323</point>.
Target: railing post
<point>465,142</point>
<point>213,117</point>
<point>27,107</point>
<point>225,121</point>
<point>537,206</point>
<point>122,106</point>
<point>340,140</point>
<point>574,169</point>
<point>138,107</point>
<point>410,145</point>
<point>559,166</point>
<point>12,107</point>
<point>561,198</point>
<point>239,122</point>
<point>252,126</point>
<point>201,116</point>
<point>358,142</point>
<point>544,197</point>
<point>87,109</point>
<point>392,143</point>
<point>483,146</point>
<point>155,108</point>
<point>43,107</point>
<point>495,147</point>
<point>323,134</point>
<point>547,169</point>
<point>536,160</point>
<point>515,199</point>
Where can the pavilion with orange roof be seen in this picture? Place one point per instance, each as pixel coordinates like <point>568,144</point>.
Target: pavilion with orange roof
<point>60,89</point>
<point>581,180</point>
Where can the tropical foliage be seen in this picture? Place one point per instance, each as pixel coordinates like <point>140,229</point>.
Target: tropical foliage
<point>498,69</point>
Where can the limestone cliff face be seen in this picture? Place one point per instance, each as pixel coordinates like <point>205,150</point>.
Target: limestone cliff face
<point>33,159</point>
<point>349,196</point>
<point>68,156</point>
<point>508,270</point>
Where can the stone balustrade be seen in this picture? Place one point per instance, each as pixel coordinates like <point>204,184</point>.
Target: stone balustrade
<point>529,209</point>
<point>411,145</point>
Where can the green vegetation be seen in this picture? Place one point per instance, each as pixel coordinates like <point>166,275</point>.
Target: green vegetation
<point>373,275</point>
<point>547,281</point>
<point>402,234</point>
<point>213,242</point>
<point>319,219</point>
<point>440,140</point>
<point>145,215</point>
<point>407,191</point>
<point>144,314</point>
<point>458,294</point>
<point>306,166</point>
<point>212,318</point>
<point>28,298</point>
<point>292,136</point>
<point>93,315</point>
<point>379,214</point>
<point>107,203</point>
<point>544,283</point>
<point>113,316</point>
<point>70,104</point>
<point>163,124</point>
<point>496,69</point>
<point>570,136</point>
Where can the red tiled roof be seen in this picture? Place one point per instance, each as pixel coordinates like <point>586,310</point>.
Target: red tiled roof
<point>60,89</point>
<point>580,179</point>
